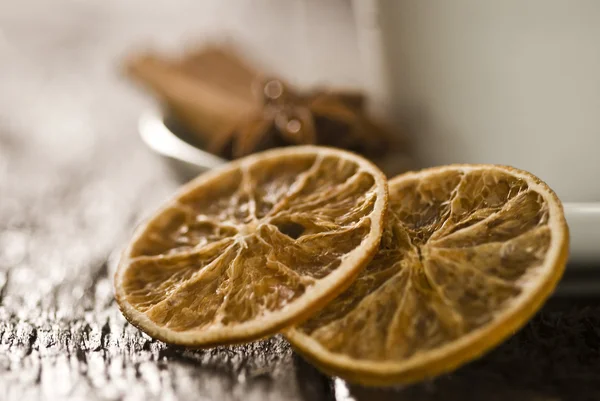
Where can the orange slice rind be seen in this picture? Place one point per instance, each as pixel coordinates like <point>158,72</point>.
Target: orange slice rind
<point>468,255</point>
<point>241,252</point>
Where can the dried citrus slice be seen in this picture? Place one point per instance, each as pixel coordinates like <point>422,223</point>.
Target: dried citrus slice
<point>468,254</point>
<point>241,252</point>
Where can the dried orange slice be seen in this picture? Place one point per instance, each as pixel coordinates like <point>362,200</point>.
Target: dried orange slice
<point>468,254</point>
<point>241,252</point>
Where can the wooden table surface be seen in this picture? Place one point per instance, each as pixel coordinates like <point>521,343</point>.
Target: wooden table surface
<point>75,179</point>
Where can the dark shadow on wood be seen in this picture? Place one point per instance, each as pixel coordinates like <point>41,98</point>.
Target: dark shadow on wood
<point>314,385</point>
<point>555,356</point>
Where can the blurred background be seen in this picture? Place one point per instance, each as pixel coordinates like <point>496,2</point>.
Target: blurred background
<point>470,82</point>
<point>62,61</point>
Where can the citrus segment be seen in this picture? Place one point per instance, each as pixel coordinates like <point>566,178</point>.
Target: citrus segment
<point>468,254</point>
<point>241,252</point>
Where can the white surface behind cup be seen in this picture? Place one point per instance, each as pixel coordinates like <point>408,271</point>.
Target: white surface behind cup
<point>511,82</point>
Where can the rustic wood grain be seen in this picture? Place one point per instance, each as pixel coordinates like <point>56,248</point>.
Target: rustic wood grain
<point>74,181</point>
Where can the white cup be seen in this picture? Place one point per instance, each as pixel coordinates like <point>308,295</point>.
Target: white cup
<point>512,82</point>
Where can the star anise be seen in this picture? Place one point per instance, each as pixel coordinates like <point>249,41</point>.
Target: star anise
<point>225,105</point>
<point>286,117</point>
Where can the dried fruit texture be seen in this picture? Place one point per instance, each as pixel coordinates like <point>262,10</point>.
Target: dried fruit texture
<point>243,251</point>
<point>469,253</point>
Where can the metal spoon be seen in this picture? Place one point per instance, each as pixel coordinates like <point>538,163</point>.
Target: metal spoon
<point>188,160</point>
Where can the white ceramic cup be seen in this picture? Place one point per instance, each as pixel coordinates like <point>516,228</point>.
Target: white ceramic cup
<point>512,82</point>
